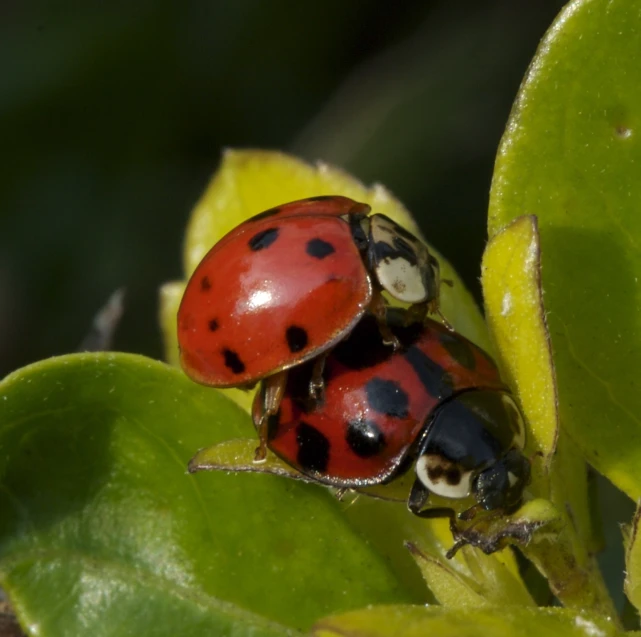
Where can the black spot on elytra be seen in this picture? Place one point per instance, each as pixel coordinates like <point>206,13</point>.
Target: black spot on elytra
<point>437,382</point>
<point>321,198</point>
<point>458,348</point>
<point>264,215</point>
<point>387,397</point>
<point>205,284</point>
<point>233,362</point>
<point>263,239</point>
<point>319,249</point>
<point>213,325</point>
<point>297,338</point>
<point>364,438</point>
<point>364,346</point>
<point>313,448</point>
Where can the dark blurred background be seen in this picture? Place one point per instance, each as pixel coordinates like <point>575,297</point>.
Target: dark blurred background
<point>113,116</point>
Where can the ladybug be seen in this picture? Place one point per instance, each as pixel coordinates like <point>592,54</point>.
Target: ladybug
<point>289,284</point>
<point>437,403</point>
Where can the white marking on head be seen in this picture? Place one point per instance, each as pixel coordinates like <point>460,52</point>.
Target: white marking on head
<point>512,479</point>
<point>443,477</point>
<point>402,280</point>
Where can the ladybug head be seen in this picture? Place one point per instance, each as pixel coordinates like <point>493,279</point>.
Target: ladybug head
<point>473,447</point>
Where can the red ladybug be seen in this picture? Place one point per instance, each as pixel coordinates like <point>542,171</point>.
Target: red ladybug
<point>437,403</point>
<point>287,285</point>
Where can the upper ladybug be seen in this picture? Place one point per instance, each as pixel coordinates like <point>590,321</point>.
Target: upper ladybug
<point>437,403</point>
<point>291,282</point>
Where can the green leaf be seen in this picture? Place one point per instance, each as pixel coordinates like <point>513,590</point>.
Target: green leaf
<point>471,579</point>
<point>512,621</point>
<point>514,311</point>
<point>492,579</point>
<point>103,532</point>
<point>572,156</point>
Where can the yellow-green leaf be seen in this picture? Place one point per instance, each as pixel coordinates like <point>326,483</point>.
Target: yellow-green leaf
<point>511,621</point>
<point>516,319</point>
<point>486,580</point>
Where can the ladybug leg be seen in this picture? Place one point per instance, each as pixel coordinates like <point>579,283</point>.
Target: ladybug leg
<point>339,494</point>
<point>416,313</point>
<point>470,513</point>
<point>273,390</point>
<point>417,500</point>
<point>378,308</point>
<point>434,305</point>
<point>415,503</point>
<point>316,383</point>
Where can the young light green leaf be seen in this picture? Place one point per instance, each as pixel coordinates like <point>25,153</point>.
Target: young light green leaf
<point>514,307</point>
<point>516,319</point>
<point>490,580</point>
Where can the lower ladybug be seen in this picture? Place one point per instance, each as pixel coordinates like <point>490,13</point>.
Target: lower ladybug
<point>437,403</point>
<point>289,284</point>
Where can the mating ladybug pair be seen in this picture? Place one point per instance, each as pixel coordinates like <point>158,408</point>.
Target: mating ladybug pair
<point>353,394</point>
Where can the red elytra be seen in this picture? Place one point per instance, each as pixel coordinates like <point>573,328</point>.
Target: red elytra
<point>277,291</point>
<point>322,205</point>
<point>325,205</point>
<point>376,402</point>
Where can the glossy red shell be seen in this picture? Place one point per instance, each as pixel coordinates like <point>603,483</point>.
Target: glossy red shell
<point>277,293</point>
<point>323,205</point>
<point>376,404</point>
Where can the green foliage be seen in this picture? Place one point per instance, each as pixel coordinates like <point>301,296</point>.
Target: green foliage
<point>417,622</point>
<point>101,525</point>
<point>103,532</point>
<point>572,157</point>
